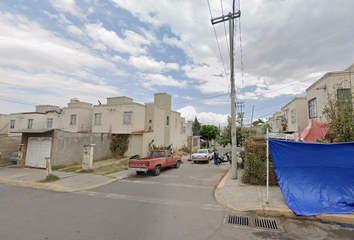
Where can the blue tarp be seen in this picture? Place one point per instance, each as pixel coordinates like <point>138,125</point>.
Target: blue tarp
<point>315,178</point>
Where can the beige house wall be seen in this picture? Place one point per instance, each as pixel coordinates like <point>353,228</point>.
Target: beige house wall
<point>298,105</point>
<point>113,116</point>
<point>276,124</point>
<point>46,108</point>
<point>21,121</point>
<point>83,119</point>
<point>4,124</point>
<point>163,100</point>
<point>136,142</point>
<point>324,86</point>
<point>176,134</point>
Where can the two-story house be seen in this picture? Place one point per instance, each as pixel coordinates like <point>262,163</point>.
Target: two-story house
<point>318,92</point>
<point>295,115</point>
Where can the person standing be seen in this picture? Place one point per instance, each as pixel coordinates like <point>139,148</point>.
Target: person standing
<point>216,157</point>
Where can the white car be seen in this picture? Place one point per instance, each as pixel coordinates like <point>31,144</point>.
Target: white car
<point>201,155</point>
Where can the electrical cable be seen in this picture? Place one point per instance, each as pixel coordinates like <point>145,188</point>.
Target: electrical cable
<point>18,101</point>
<point>227,43</point>
<point>217,41</point>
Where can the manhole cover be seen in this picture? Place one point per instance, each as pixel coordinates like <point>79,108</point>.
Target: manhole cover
<point>238,220</point>
<point>265,223</point>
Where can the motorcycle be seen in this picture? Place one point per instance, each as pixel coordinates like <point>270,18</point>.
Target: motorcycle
<point>222,158</point>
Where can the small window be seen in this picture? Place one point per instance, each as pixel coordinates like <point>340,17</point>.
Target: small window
<point>168,121</point>
<point>30,123</point>
<point>49,122</point>
<point>12,124</point>
<point>184,129</point>
<point>293,116</point>
<point>312,108</point>
<point>343,96</point>
<point>98,117</point>
<point>73,119</point>
<point>128,117</point>
<point>150,128</point>
<point>150,120</point>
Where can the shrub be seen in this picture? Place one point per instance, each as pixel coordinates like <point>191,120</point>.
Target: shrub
<point>256,164</point>
<point>119,144</point>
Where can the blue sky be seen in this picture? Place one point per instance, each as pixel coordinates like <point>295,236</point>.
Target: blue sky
<point>52,51</point>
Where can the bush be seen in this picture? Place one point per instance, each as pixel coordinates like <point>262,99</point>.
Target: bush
<point>119,144</point>
<point>256,164</point>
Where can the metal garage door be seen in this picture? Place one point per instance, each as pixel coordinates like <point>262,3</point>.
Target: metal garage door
<point>38,149</point>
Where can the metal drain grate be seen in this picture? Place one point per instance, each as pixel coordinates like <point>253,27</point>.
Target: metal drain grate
<point>238,220</point>
<point>265,223</point>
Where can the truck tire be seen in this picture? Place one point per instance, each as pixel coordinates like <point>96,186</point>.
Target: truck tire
<point>156,171</point>
<point>139,172</point>
<point>178,164</point>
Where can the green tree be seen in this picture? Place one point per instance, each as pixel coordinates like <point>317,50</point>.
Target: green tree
<point>195,126</point>
<point>339,113</point>
<point>225,137</point>
<point>255,123</point>
<point>241,134</point>
<point>209,132</point>
<point>265,126</point>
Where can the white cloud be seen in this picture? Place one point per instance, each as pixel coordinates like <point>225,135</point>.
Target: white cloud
<point>208,118</point>
<point>148,63</point>
<point>150,80</point>
<point>132,44</point>
<point>67,6</point>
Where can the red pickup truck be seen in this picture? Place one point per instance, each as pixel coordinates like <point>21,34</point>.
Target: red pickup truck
<point>158,159</point>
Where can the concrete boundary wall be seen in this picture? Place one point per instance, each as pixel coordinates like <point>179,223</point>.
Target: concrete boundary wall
<point>68,146</point>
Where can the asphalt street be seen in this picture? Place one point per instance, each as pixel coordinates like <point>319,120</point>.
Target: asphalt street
<point>177,204</point>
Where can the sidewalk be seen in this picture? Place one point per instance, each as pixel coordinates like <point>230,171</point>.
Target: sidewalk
<point>235,195</point>
<point>68,182</point>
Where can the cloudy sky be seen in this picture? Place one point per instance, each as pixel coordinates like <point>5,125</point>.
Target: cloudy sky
<point>52,51</point>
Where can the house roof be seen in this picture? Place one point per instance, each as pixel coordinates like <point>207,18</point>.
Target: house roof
<point>32,130</point>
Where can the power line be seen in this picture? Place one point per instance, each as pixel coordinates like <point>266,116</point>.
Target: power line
<point>224,94</point>
<point>227,44</point>
<point>18,101</point>
<point>217,41</point>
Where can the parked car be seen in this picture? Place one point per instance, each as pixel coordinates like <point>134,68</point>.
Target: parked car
<point>158,159</point>
<point>202,155</point>
<point>14,157</point>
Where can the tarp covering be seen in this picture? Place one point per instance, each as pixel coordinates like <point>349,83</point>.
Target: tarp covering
<point>315,178</point>
<point>314,130</point>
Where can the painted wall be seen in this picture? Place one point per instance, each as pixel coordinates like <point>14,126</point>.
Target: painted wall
<point>83,119</point>
<point>163,100</point>
<point>299,105</point>
<point>68,146</point>
<point>113,115</point>
<point>4,124</point>
<point>21,121</point>
<point>329,80</point>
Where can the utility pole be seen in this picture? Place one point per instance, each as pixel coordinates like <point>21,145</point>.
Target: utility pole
<point>240,104</point>
<point>224,18</point>
<point>249,135</point>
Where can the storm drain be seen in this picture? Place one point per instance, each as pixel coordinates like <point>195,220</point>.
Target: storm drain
<point>265,223</point>
<point>238,220</point>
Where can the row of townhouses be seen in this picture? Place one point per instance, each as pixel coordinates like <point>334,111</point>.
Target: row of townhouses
<point>61,133</point>
<point>301,110</point>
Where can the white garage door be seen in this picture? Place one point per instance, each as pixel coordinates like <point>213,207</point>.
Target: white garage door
<point>38,149</point>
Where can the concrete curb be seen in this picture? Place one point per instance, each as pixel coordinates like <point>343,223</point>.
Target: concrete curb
<point>347,219</point>
<point>50,186</point>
